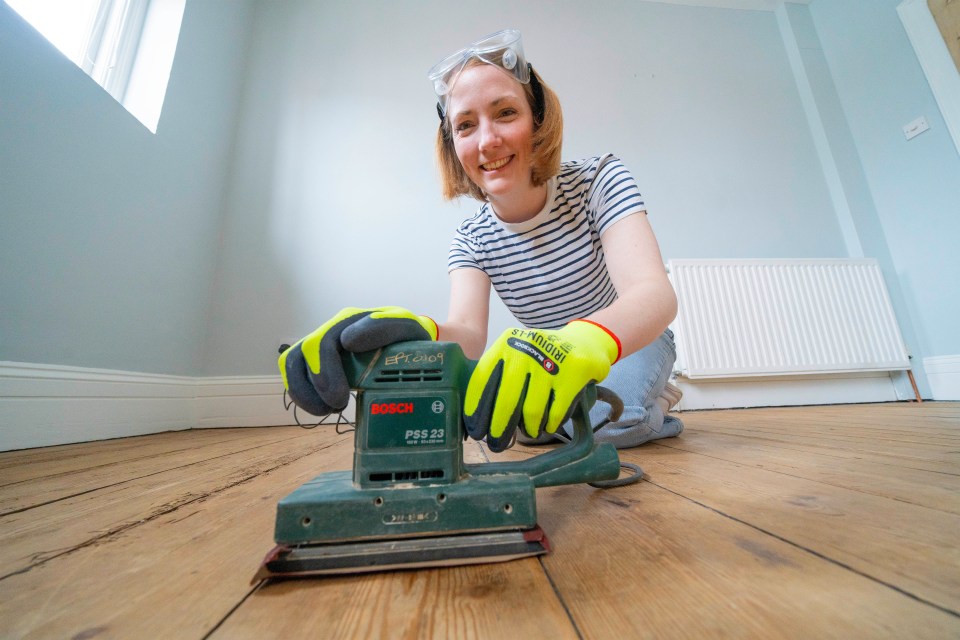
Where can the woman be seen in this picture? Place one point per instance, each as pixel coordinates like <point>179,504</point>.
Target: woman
<point>566,246</point>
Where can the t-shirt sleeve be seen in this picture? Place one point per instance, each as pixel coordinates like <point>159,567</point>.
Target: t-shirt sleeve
<point>614,194</point>
<point>462,254</point>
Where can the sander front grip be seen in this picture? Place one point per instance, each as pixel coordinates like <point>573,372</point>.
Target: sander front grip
<point>580,460</point>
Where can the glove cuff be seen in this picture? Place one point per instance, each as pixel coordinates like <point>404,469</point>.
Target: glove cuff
<point>428,322</point>
<point>607,339</point>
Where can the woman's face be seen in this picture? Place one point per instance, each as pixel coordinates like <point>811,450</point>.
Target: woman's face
<point>492,127</point>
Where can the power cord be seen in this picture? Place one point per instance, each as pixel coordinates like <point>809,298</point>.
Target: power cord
<point>341,420</point>
<point>636,472</point>
<point>616,409</point>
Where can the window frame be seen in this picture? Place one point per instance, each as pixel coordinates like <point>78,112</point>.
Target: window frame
<point>113,43</point>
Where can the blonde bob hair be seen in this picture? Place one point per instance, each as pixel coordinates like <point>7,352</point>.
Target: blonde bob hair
<point>547,140</point>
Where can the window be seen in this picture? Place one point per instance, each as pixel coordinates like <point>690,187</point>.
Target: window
<point>126,46</point>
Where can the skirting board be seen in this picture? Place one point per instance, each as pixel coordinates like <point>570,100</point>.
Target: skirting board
<point>43,405</point>
<point>786,391</point>
<point>943,376</point>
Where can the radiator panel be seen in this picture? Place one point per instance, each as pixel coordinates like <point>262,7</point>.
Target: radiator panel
<point>742,318</point>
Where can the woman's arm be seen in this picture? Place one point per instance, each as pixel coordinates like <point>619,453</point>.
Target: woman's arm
<point>469,311</point>
<point>646,302</point>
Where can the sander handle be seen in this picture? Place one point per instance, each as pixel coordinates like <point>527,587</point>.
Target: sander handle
<point>581,460</point>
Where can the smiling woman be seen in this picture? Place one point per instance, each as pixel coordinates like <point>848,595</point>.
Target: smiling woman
<point>125,46</point>
<point>566,246</point>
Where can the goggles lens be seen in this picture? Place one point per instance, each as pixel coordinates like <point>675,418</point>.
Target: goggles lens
<point>502,49</point>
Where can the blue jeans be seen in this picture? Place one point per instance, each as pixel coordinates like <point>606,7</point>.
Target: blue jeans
<point>638,379</point>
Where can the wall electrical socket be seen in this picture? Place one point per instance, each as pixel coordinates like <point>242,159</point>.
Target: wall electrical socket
<point>915,128</point>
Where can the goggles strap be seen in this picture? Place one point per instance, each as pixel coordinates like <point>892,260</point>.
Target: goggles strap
<point>538,103</point>
<point>443,130</point>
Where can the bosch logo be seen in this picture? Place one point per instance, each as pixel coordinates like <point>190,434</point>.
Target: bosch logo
<point>385,408</point>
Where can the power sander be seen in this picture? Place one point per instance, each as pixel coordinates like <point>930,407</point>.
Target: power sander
<point>411,501</point>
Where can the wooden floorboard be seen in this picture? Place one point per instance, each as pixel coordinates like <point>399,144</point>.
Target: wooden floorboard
<point>504,600</point>
<point>891,479</point>
<point>26,464</point>
<point>176,573</point>
<point>122,469</point>
<point>662,565</point>
<point>892,542</point>
<point>38,535</point>
<point>823,522</point>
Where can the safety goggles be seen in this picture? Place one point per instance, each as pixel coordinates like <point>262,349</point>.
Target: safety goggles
<point>502,49</point>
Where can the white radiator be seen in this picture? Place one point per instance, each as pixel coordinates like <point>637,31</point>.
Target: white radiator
<point>743,318</point>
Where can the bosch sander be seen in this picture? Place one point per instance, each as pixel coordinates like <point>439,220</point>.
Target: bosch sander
<point>411,500</point>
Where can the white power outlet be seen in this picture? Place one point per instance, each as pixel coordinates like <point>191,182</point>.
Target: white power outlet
<point>915,128</point>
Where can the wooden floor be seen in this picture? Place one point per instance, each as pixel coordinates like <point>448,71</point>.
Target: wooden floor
<point>826,522</point>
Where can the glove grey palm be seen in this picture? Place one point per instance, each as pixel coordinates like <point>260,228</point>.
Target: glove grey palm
<point>312,369</point>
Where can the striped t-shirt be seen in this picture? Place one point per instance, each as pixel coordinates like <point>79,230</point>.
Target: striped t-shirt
<point>550,269</point>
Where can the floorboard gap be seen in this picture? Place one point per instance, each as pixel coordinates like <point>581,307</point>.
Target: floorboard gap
<point>233,610</point>
<point>39,560</point>
<point>813,552</point>
<point>147,475</point>
<point>563,603</point>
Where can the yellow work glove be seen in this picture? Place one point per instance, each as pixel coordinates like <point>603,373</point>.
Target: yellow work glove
<point>533,378</point>
<point>312,369</point>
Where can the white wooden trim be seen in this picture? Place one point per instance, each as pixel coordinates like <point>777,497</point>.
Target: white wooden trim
<point>943,375</point>
<point>43,405</point>
<point>935,59</point>
<point>786,391</point>
<point>248,401</point>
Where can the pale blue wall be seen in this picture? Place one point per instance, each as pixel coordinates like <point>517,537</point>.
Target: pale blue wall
<point>292,172</point>
<point>108,232</point>
<point>852,198</point>
<point>915,184</point>
<point>334,198</point>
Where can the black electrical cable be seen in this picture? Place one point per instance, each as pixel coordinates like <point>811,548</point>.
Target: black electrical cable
<point>340,419</point>
<point>636,476</point>
<point>616,408</point>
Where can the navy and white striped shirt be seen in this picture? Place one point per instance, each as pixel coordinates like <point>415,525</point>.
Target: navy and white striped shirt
<point>550,269</point>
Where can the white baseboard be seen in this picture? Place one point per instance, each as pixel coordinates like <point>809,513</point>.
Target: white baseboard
<point>43,405</point>
<point>240,401</point>
<point>248,401</point>
<point>786,391</point>
<point>943,376</point>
